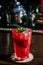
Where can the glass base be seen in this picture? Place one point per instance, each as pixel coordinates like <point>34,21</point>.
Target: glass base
<point>28,59</point>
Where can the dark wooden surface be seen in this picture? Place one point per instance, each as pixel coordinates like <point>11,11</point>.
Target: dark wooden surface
<point>36,50</point>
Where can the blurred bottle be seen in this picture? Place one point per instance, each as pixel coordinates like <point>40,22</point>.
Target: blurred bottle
<point>16,13</point>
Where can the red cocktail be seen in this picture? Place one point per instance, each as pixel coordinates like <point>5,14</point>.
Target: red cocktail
<point>21,43</point>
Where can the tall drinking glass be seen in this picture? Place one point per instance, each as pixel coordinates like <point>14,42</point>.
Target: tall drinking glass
<point>21,43</point>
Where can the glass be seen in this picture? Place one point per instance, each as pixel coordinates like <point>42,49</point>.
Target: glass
<point>21,43</point>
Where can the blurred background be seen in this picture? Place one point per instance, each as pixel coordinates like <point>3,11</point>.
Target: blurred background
<point>31,16</point>
<point>25,3</point>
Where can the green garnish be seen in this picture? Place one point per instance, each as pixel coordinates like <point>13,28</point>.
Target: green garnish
<point>20,29</point>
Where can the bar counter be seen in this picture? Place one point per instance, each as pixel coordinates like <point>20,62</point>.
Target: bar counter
<point>36,50</point>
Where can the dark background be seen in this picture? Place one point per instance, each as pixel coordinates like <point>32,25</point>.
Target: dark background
<point>26,3</point>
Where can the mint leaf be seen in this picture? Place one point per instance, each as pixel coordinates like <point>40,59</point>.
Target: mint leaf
<point>20,29</point>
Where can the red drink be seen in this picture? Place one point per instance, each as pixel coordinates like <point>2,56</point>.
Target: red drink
<point>21,43</point>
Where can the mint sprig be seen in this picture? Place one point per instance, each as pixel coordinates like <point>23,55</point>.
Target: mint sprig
<point>20,29</point>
